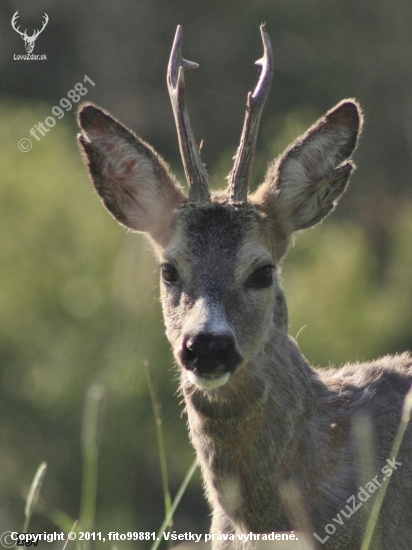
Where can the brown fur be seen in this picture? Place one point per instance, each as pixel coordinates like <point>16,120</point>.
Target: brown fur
<point>274,437</point>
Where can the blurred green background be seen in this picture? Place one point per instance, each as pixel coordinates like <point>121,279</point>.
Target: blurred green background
<point>79,296</point>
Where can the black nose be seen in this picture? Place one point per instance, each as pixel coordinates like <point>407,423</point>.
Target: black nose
<point>208,353</point>
<point>206,344</point>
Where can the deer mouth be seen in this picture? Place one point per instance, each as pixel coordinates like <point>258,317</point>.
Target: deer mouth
<point>208,381</point>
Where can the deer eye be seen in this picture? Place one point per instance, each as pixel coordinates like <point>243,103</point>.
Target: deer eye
<point>261,277</point>
<point>169,274</point>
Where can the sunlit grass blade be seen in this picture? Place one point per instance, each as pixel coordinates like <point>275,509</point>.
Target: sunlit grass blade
<point>67,538</point>
<point>59,518</point>
<point>157,411</point>
<point>373,518</point>
<point>34,494</point>
<point>90,449</point>
<point>175,504</point>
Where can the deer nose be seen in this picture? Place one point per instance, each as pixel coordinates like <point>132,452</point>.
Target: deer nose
<point>208,353</point>
<point>205,344</point>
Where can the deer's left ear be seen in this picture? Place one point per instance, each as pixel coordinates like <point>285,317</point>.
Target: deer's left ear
<point>305,183</point>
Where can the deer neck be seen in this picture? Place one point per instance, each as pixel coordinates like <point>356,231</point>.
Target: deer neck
<point>247,435</point>
<point>274,394</point>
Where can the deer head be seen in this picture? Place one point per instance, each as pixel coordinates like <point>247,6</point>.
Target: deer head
<point>29,41</point>
<point>219,253</point>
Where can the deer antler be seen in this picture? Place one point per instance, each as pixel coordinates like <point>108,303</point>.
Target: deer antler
<point>46,20</point>
<point>239,176</point>
<point>195,171</point>
<point>13,24</point>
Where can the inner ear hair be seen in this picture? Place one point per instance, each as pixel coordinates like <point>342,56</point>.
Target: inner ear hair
<point>133,181</point>
<point>305,183</point>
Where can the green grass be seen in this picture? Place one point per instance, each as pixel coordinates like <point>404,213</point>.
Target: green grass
<point>377,504</point>
<point>33,495</point>
<point>157,412</point>
<point>90,446</point>
<point>90,449</point>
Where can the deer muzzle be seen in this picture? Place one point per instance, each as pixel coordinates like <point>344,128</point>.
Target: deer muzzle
<point>209,358</point>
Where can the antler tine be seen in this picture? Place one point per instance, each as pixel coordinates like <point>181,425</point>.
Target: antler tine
<point>38,32</point>
<point>195,171</point>
<point>239,176</point>
<point>13,24</point>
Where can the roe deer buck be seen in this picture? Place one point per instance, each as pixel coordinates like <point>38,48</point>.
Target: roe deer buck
<point>264,423</point>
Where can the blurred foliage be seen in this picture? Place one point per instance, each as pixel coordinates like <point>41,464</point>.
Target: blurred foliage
<point>323,51</point>
<point>344,309</point>
<point>79,305</point>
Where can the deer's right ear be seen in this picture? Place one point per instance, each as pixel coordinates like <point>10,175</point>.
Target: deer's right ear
<point>133,181</point>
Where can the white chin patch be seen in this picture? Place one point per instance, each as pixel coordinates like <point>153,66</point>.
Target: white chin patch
<point>210,382</point>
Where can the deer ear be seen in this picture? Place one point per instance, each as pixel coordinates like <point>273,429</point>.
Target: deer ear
<point>307,181</point>
<point>133,181</point>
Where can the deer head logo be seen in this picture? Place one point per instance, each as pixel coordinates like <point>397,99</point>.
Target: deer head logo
<point>29,41</point>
